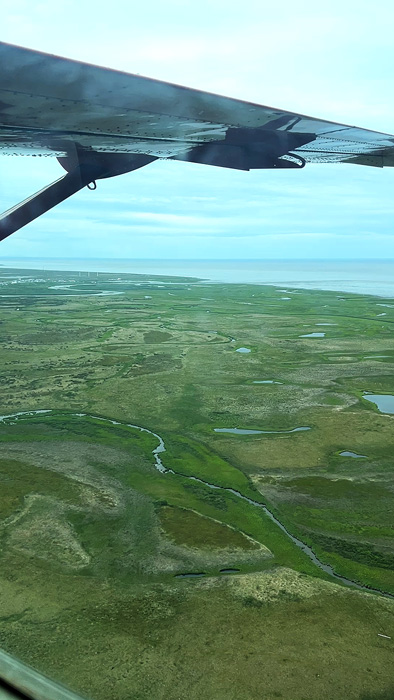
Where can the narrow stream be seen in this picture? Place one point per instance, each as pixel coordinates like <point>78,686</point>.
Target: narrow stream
<point>164,470</point>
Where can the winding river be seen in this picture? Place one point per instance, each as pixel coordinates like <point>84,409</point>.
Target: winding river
<point>13,417</point>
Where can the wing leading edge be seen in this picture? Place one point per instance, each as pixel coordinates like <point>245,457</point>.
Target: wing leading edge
<point>100,122</point>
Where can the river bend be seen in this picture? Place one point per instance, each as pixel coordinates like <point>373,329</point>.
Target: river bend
<point>164,470</point>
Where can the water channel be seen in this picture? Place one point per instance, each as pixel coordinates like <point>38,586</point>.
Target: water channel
<point>13,417</point>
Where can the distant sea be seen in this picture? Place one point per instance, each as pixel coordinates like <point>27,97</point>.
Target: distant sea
<point>358,276</point>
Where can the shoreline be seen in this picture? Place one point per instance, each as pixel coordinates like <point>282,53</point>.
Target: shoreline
<point>189,274</point>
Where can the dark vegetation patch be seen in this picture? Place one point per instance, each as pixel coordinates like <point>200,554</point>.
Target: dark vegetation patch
<point>387,694</point>
<point>19,479</point>
<point>157,337</point>
<point>329,488</point>
<point>212,498</point>
<point>153,363</point>
<point>111,360</point>
<point>358,551</point>
<point>188,528</point>
<point>55,335</point>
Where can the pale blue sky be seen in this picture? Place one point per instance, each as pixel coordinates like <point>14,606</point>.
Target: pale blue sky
<point>333,62</point>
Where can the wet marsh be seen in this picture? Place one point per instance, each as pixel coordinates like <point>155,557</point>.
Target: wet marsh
<point>92,534</point>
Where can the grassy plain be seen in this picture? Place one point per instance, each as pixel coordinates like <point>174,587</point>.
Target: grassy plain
<point>92,535</point>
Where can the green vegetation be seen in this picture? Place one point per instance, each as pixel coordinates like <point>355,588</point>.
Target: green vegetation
<point>92,534</point>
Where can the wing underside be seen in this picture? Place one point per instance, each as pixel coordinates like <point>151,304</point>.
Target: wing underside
<point>48,104</point>
<point>100,123</point>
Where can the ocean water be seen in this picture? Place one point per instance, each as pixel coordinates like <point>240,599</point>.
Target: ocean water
<point>360,276</point>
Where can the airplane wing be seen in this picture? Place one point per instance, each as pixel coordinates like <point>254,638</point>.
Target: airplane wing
<point>21,682</point>
<point>100,123</point>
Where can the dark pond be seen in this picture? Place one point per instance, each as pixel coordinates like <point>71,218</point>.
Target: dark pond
<point>229,571</point>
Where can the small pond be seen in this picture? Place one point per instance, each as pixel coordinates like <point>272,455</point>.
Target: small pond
<point>237,431</point>
<point>352,454</point>
<point>312,335</point>
<point>242,431</point>
<point>266,381</point>
<point>384,402</point>
<point>242,350</point>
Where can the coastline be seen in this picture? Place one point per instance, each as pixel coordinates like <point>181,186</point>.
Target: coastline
<point>374,278</point>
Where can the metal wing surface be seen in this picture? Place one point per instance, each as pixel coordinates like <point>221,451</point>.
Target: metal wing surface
<point>48,104</point>
<point>100,123</point>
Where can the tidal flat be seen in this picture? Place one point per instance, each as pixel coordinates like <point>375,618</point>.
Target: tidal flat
<point>96,539</point>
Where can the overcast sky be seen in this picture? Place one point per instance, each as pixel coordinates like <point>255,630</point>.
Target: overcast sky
<point>333,60</point>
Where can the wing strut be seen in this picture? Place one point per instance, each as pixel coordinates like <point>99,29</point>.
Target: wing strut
<point>83,169</point>
<point>40,202</point>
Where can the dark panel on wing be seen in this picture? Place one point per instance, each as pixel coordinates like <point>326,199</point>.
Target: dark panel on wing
<point>249,149</point>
